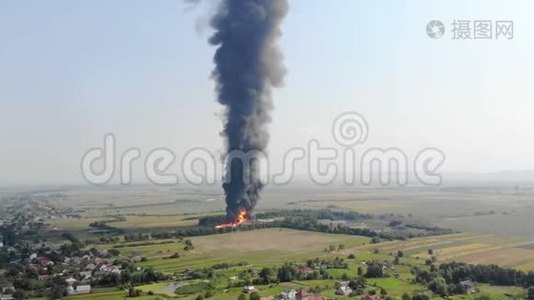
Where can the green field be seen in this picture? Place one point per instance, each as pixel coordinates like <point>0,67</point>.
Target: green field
<point>258,247</point>
<point>272,247</point>
<point>493,226</point>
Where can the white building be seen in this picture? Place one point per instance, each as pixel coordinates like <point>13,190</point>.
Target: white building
<point>81,289</point>
<point>70,281</point>
<point>289,294</point>
<point>343,290</point>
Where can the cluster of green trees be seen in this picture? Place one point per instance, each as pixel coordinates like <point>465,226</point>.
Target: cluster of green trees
<point>130,276</point>
<point>137,237</point>
<point>311,224</point>
<point>312,270</point>
<point>252,296</point>
<point>309,220</point>
<point>211,221</point>
<point>104,240</point>
<point>336,263</point>
<point>285,273</point>
<point>145,244</point>
<point>104,225</point>
<point>357,285</point>
<point>530,293</point>
<point>293,219</point>
<point>445,279</point>
<point>222,266</point>
<point>455,272</point>
<point>375,269</point>
<point>417,296</point>
<point>188,245</point>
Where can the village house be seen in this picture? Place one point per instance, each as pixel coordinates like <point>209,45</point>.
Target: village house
<point>5,291</point>
<point>44,261</point>
<point>103,253</point>
<point>343,288</point>
<point>288,294</point>
<point>75,260</point>
<point>137,258</point>
<point>70,281</point>
<point>6,297</point>
<point>45,245</point>
<point>81,289</point>
<point>43,277</point>
<point>85,275</point>
<point>6,288</point>
<point>305,270</point>
<point>304,295</point>
<point>103,269</point>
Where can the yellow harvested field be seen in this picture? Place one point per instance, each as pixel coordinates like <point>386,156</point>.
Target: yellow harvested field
<point>469,248</point>
<point>450,253</point>
<point>510,257</point>
<point>278,240</point>
<point>526,267</point>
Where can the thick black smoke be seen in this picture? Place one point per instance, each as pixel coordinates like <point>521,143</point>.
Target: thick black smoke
<point>248,64</point>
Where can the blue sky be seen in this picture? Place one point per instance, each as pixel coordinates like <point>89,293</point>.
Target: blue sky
<point>72,71</point>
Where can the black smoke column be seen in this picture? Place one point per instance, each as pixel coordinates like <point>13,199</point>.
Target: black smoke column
<point>248,64</point>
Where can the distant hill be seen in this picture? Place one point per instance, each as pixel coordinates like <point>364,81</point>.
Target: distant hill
<point>505,176</point>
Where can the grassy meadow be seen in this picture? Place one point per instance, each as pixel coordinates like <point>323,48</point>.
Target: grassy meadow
<point>492,224</point>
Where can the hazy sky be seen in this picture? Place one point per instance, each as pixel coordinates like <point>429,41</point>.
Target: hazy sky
<point>72,71</point>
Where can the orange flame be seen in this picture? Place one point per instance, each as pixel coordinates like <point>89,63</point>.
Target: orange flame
<point>241,218</point>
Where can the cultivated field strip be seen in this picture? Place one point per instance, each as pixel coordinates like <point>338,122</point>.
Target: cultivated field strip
<point>470,248</point>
